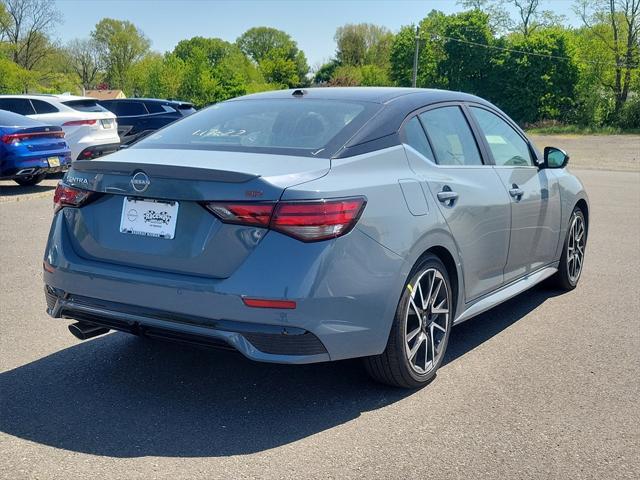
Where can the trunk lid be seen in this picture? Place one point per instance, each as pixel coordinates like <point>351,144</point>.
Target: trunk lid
<point>202,245</point>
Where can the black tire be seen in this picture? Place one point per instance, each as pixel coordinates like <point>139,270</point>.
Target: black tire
<point>563,278</point>
<point>30,181</point>
<point>392,366</point>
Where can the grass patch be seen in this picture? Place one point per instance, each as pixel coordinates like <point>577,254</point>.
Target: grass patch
<point>579,130</point>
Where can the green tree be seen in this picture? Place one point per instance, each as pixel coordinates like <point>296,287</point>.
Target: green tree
<point>431,53</point>
<point>363,44</point>
<point>121,45</point>
<point>276,54</point>
<point>83,58</point>
<point>26,25</point>
<point>616,23</point>
<point>467,40</point>
<point>346,76</point>
<point>537,85</point>
<point>325,71</point>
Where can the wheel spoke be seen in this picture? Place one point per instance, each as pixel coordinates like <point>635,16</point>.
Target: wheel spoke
<point>424,306</point>
<point>432,299</point>
<point>440,308</point>
<point>412,335</point>
<point>439,327</point>
<point>414,350</point>
<point>426,353</point>
<point>415,309</point>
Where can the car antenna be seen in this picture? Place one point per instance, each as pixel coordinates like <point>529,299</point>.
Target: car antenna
<point>299,92</point>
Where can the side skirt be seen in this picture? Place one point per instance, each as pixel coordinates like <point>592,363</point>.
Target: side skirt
<point>505,293</point>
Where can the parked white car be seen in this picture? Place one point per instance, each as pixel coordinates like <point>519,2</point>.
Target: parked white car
<point>90,129</point>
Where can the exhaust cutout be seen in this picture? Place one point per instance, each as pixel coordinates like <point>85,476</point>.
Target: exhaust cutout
<point>85,331</point>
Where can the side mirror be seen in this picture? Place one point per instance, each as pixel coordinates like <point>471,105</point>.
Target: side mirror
<point>554,158</point>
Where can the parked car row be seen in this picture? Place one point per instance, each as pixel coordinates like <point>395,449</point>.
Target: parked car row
<point>43,134</point>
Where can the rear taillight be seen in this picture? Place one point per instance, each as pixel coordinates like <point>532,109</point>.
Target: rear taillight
<point>16,137</point>
<point>309,221</point>
<point>66,196</point>
<point>76,123</point>
<point>258,214</point>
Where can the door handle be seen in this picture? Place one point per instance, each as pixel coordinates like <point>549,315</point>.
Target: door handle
<point>516,192</point>
<point>447,196</point>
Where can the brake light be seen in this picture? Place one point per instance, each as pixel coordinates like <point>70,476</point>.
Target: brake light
<point>66,196</point>
<point>309,221</point>
<point>76,123</point>
<point>313,221</point>
<point>258,214</point>
<point>16,137</point>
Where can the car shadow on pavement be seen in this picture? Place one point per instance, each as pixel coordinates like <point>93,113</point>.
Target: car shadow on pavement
<point>121,396</point>
<point>13,190</point>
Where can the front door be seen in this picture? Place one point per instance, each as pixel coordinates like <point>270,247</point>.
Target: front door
<point>533,193</point>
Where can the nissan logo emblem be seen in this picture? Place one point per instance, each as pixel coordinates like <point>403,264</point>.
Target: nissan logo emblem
<point>140,182</point>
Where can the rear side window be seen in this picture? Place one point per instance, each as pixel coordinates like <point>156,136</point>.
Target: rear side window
<point>507,147</point>
<point>451,136</point>
<point>288,126</point>
<point>85,105</point>
<point>154,107</point>
<point>17,105</point>
<point>128,109</point>
<point>43,107</point>
<point>416,138</point>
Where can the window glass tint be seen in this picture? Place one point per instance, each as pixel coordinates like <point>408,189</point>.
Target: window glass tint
<point>43,107</point>
<point>17,105</point>
<point>154,107</point>
<point>451,137</point>
<point>169,109</point>
<point>246,125</point>
<point>85,105</point>
<point>416,138</point>
<point>507,147</point>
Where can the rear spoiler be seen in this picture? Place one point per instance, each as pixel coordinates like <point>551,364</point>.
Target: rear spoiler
<point>175,172</point>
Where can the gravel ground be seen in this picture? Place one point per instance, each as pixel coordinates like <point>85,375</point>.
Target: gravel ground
<point>544,386</point>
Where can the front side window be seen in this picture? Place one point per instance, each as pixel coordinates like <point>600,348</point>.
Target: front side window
<point>451,137</point>
<point>507,147</point>
<point>416,138</point>
<point>288,126</point>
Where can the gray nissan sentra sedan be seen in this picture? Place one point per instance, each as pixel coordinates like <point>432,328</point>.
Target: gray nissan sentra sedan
<point>312,225</point>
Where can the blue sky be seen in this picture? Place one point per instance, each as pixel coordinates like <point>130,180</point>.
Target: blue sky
<point>311,23</point>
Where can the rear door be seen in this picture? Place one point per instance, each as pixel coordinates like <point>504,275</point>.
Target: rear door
<point>533,193</point>
<point>469,194</point>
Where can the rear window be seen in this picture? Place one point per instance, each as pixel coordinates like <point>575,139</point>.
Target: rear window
<point>288,126</point>
<point>85,105</point>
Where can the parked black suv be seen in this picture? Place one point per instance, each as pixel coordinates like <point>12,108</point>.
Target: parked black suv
<point>138,117</point>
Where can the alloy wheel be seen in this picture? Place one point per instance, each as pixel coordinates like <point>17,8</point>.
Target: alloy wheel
<point>575,248</point>
<point>426,321</point>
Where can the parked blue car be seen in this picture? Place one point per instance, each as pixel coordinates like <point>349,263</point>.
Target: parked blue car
<point>313,225</point>
<point>30,150</point>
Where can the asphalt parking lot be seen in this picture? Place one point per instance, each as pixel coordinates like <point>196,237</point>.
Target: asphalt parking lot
<point>544,386</point>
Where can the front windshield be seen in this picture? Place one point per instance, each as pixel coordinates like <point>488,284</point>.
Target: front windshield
<point>290,126</point>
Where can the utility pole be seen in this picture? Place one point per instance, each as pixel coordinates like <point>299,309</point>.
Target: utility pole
<point>415,58</point>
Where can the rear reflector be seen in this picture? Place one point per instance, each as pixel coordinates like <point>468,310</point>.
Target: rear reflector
<point>309,221</point>
<point>265,303</point>
<point>76,123</point>
<point>16,137</point>
<point>70,196</point>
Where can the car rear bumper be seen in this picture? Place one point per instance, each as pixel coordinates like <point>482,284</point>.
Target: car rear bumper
<point>261,342</point>
<point>24,172</point>
<point>95,151</point>
<point>345,302</point>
